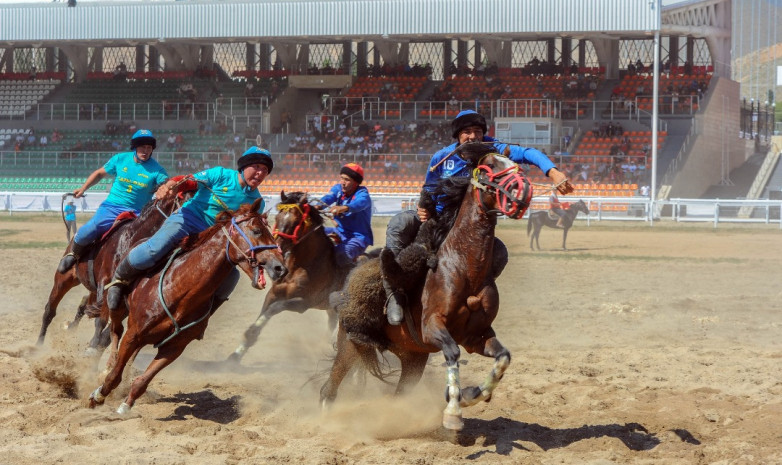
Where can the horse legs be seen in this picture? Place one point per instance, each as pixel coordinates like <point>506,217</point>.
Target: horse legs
<point>62,284</point>
<point>475,394</point>
<point>413,364</point>
<point>434,332</point>
<point>80,311</point>
<point>254,330</point>
<point>165,356</point>
<point>347,355</point>
<point>130,346</point>
<point>116,328</point>
<point>564,238</point>
<point>536,235</point>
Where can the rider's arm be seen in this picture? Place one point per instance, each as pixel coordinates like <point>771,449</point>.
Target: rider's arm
<point>92,179</point>
<point>359,202</point>
<point>535,157</point>
<point>329,198</point>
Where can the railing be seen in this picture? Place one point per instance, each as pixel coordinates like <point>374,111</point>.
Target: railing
<point>117,111</point>
<point>715,211</point>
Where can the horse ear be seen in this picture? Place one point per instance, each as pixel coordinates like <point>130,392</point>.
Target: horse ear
<point>256,205</point>
<point>282,195</point>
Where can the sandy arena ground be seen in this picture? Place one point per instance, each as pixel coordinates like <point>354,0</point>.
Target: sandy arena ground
<point>639,345</point>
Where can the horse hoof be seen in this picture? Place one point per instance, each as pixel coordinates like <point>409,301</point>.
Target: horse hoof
<point>469,395</point>
<point>123,408</point>
<point>234,358</point>
<point>453,422</point>
<point>96,398</point>
<point>91,352</point>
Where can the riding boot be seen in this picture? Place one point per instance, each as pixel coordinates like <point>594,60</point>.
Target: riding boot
<point>123,275</point>
<point>70,259</point>
<point>395,300</point>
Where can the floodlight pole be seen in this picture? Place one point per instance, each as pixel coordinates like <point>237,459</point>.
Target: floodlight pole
<point>655,113</point>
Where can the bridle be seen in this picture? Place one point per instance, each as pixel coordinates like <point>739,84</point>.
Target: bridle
<point>249,254</point>
<point>512,190</point>
<point>304,222</point>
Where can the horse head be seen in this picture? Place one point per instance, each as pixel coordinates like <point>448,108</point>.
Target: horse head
<point>296,218</point>
<point>499,185</point>
<point>250,228</point>
<point>580,206</point>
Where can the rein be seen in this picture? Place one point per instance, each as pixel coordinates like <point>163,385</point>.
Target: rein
<point>250,259</point>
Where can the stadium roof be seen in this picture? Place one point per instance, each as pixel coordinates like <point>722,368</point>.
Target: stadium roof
<point>308,21</point>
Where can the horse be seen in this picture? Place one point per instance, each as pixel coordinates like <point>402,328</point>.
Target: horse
<point>539,219</point>
<point>170,306</point>
<point>313,273</point>
<point>96,268</point>
<point>458,300</point>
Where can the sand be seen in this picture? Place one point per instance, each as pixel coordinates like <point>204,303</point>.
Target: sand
<point>640,345</point>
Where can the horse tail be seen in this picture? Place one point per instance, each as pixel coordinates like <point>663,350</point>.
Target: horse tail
<point>529,224</point>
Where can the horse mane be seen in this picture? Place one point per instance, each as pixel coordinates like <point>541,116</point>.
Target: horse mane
<point>450,192</point>
<point>300,198</point>
<point>223,219</point>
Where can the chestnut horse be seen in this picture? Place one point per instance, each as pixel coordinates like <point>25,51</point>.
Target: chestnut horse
<point>171,306</point>
<point>458,301</point>
<point>96,268</point>
<point>539,219</point>
<point>313,271</point>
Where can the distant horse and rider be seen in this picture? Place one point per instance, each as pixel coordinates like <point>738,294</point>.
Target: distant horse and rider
<point>564,222</point>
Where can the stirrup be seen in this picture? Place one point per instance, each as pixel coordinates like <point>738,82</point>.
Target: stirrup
<point>115,282</point>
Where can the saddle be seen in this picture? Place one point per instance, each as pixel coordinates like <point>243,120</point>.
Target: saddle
<point>121,218</point>
<point>552,216</point>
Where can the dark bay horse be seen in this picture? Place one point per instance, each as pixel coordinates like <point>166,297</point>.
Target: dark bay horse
<point>541,218</point>
<point>313,272</point>
<point>171,306</point>
<point>96,268</point>
<point>458,301</point>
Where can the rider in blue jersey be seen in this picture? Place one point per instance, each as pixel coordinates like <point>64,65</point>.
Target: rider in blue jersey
<point>468,126</point>
<point>136,177</point>
<point>352,210</point>
<point>219,189</point>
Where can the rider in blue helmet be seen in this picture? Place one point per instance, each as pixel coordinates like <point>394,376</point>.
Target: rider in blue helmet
<point>468,126</point>
<point>136,177</point>
<point>219,189</point>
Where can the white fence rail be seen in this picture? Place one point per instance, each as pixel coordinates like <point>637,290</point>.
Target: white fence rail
<point>714,211</point>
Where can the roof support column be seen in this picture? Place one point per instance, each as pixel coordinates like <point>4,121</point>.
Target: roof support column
<point>249,56</point>
<point>607,51</point>
<point>498,52</point>
<point>361,58</point>
<point>77,55</point>
<point>347,56</point>
<point>7,60</point>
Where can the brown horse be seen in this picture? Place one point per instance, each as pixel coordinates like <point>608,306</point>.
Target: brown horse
<point>171,306</point>
<point>458,301</point>
<point>96,268</point>
<point>539,219</point>
<point>313,271</point>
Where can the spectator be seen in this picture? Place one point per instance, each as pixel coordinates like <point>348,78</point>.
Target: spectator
<point>44,141</point>
<point>70,219</point>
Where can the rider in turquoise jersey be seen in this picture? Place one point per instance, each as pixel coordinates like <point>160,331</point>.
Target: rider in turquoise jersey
<point>219,189</point>
<point>136,177</point>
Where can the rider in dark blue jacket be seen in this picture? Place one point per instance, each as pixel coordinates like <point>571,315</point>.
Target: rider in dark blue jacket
<point>468,126</point>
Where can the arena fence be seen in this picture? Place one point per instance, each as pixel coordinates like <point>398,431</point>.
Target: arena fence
<point>716,211</point>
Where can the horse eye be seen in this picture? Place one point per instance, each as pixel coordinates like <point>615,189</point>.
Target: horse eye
<point>257,231</point>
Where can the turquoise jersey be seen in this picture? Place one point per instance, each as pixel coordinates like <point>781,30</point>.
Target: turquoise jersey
<point>224,183</point>
<point>134,182</point>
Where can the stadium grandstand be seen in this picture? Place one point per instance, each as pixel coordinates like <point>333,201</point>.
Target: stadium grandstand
<point>642,104</point>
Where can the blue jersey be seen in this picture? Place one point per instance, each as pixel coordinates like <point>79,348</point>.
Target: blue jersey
<point>455,166</point>
<point>225,193</point>
<point>134,181</point>
<point>70,212</point>
<point>357,222</point>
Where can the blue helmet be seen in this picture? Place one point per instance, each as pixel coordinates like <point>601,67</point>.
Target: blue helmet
<point>255,155</point>
<point>143,137</point>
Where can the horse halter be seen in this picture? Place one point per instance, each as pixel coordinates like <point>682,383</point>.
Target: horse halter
<point>252,248</point>
<point>303,223</point>
<point>512,190</point>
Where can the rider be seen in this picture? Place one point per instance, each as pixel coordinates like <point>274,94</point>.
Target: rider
<point>136,177</point>
<point>352,210</point>
<point>219,189</point>
<point>468,126</point>
<point>557,207</point>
